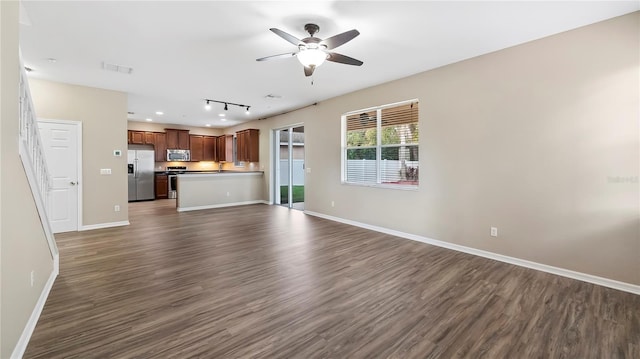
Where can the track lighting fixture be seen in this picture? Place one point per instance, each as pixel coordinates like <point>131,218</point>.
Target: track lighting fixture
<point>208,101</point>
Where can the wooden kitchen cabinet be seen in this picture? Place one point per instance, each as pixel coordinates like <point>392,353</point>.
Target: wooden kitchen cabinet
<point>136,137</point>
<point>203,148</point>
<point>247,145</point>
<point>197,147</point>
<point>177,139</point>
<point>162,186</point>
<point>140,137</point>
<point>224,148</point>
<point>149,138</point>
<point>160,146</point>
<point>209,148</point>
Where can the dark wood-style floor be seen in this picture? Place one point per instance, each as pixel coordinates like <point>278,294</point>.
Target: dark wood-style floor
<point>266,282</point>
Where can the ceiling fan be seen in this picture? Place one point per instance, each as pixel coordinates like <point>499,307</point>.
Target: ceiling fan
<point>312,51</point>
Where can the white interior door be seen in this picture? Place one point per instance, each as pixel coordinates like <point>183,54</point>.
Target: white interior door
<point>60,141</point>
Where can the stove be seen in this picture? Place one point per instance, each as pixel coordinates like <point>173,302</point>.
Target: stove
<point>172,171</point>
<point>176,170</point>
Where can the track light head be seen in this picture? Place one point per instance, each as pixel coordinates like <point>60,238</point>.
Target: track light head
<point>247,112</point>
<point>226,108</point>
<point>207,106</point>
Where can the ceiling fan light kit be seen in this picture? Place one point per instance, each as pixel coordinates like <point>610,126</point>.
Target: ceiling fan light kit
<point>313,51</point>
<point>311,57</point>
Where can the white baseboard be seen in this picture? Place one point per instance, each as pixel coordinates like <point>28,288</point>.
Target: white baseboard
<point>23,341</point>
<point>605,282</point>
<point>104,225</point>
<point>210,206</point>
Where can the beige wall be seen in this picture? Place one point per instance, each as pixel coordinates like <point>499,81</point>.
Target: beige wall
<point>540,140</point>
<point>23,245</point>
<point>103,114</point>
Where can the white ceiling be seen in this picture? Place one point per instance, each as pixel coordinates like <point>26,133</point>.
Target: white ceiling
<point>183,52</point>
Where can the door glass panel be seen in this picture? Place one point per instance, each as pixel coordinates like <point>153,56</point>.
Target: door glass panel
<point>297,167</point>
<point>283,160</point>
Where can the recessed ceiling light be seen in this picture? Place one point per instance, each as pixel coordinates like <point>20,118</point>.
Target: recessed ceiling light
<point>52,60</point>
<point>159,113</point>
<point>208,125</point>
<point>149,120</point>
<point>221,114</point>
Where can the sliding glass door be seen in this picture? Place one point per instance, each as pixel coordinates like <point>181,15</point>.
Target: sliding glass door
<point>289,163</point>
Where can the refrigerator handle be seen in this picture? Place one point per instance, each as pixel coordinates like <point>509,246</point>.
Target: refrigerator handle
<point>135,168</point>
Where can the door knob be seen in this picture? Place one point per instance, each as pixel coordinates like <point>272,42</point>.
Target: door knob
<point>72,183</point>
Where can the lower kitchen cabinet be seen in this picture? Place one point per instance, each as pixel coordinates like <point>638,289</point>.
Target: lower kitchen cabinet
<point>162,186</point>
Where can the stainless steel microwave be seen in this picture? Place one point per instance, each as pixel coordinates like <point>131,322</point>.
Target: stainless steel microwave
<point>178,155</point>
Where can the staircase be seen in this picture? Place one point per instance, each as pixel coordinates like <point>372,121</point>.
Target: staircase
<point>34,162</point>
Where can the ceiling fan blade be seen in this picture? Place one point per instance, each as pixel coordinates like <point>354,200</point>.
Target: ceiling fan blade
<point>292,39</point>
<point>335,57</point>
<point>308,71</point>
<point>340,39</point>
<point>279,56</point>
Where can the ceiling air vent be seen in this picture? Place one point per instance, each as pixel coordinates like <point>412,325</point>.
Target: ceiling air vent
<point>117,68</point>
<point>273,97</point>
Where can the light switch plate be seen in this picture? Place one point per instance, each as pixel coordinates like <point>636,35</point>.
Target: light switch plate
<point>117,153</point>
<point>105,171</point>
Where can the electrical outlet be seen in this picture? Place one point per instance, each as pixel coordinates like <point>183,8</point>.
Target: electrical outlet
<point>228,194</point>
<point>494,231</point>
<point>116,208</point>
<point>33,276</point>
<point>333,204</point>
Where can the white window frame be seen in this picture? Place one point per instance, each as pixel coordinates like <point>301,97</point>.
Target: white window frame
<point>343,152</point>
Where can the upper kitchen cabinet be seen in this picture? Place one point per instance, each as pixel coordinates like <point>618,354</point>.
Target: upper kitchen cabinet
<point>209,148</point>
<point>141,138</point>
<point>149,138</point>
<point>160,146</point>
<point>203,148</point>
<point>224,148</point>
<point>136,137</point>
<point>196,147</point>
<point>177,139</point>
<point>247,145</point>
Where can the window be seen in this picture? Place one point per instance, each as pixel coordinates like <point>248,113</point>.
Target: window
<point>380,146</point>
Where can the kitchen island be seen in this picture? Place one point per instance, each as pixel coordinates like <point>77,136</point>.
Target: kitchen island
<point>218,189</point>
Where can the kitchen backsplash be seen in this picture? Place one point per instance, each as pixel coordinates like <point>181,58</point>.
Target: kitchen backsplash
<point>207,166</point>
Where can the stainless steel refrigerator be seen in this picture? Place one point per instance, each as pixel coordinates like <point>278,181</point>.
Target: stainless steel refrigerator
<point>140,164</point>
